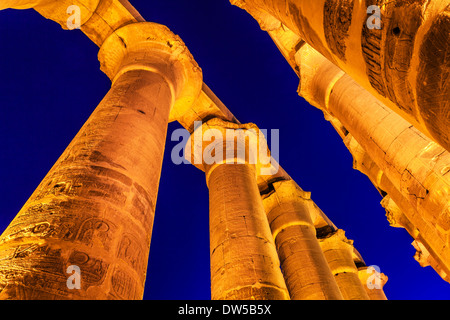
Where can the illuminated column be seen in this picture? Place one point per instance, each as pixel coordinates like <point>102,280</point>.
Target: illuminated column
<point>402,214</point>
<point>415,166</point>
<point>338,253</point>
<point>244,261</point>
<point>397,51</point>
<point>94,210</point>
<point>373,282</point>
<point>290,212</point>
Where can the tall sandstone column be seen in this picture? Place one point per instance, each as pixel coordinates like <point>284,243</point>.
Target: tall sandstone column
<point>402,60</point>
<point>338,252</point>
<point>290,212</point>
<point>392,145</point>
<point>244,261</point>
<point>95,208</point>
<point>415,166</point>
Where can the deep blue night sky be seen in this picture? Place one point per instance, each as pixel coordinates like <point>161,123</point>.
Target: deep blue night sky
<point>50,82</point>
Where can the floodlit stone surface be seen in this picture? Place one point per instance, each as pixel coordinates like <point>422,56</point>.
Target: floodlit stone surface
<point>33,246</point>
<point>403,63</point>
<point>398,159</point>
<point>414,165</point>
<point>338,252</point>
<point>290,212</point>
<point>95,207</point>
<point>244,260</point>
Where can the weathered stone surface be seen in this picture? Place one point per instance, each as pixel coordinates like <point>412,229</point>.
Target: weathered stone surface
<point>95,207</point>
<point>291,212</point>
<point>338,252</point>
<point>414,165</point>
<point>244,261</point>
<point>403,63</point>
<point>317,87</point>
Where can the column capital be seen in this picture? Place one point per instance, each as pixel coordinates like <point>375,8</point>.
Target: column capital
<point>288,205</point>
<point>218,142</point>
<point>337,240</point>
<point>153,47</point>
<point>285,191</point>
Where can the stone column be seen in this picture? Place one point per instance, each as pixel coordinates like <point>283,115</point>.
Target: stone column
<point>244,261</point>
<point>395,51</point>
<point>94,210</point>
<point>373,282</point>
<point>390,140</point>
<point>290,212</point>
<point>338,252</point>
<point>401,214</point>
<point>415,166</point>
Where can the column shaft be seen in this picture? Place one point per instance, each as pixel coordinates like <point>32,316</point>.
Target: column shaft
<point>95,207</point>
<point>244,261</point>
<point>307,274</point>
<point>305,269</point>
<point>401,213</point>
<point>338,253</point>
